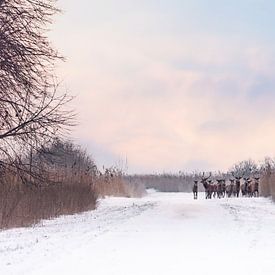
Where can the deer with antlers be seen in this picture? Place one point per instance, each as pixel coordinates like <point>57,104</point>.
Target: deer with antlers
<point>237,184</point>
<point>207,185</point>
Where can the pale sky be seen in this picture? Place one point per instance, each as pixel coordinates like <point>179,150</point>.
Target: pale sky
<point>170,85</point>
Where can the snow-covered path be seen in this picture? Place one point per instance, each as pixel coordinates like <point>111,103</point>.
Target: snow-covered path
<point>162,233</point>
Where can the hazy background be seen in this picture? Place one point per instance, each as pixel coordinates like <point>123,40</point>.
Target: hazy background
<point>171,85</point>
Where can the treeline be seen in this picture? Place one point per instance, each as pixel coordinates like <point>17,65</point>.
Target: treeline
<point>181,182</point>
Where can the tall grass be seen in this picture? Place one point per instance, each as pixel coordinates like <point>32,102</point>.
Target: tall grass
<point>23,205</point>
<point>114,183</point>
<point>267,186</point>
<point>70,183</point>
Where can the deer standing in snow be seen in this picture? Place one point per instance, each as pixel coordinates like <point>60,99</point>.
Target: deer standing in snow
<point>256,186</point>
<point>195,190</point>
<point>207,186</point>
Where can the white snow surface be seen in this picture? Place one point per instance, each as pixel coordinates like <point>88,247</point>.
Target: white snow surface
<point>162,233</point>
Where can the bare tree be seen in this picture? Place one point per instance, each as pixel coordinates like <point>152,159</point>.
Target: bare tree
<point>32,112</point>
<point>245,168</point>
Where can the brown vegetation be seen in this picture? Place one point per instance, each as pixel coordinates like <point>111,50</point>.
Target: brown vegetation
<point>267,186</point>
<point>22,205</point>
<point>113,183</point>
<point>73,185</point>
<point>69,189</point>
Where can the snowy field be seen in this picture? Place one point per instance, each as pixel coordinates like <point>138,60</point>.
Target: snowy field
<point>162,233</point>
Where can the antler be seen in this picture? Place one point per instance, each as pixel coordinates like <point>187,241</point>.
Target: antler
<point>203,178</point>
<point>237,177</point>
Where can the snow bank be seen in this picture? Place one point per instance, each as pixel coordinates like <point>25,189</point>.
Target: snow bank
<point>163,233</point>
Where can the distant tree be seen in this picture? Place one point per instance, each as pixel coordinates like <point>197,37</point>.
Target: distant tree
<point>245,168</point>
<point>63,161</point>
<point>32,112</point>
<point>66,155</point>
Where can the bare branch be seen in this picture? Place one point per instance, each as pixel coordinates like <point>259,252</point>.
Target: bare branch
<point>32,114</point>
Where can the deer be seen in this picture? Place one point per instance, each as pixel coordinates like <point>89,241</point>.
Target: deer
<point>230,188</point>
<point>214,186</point>
<point>246,187</point>
<point>195,190</point>
<point>250,188</point>
<point>237,184</point>
<point>223,188</point>
<point>220,191</point>
<point>256,186</point>
<point>206,185</point>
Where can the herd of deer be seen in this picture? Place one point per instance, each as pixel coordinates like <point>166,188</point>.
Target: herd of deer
<point>219,188</point>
